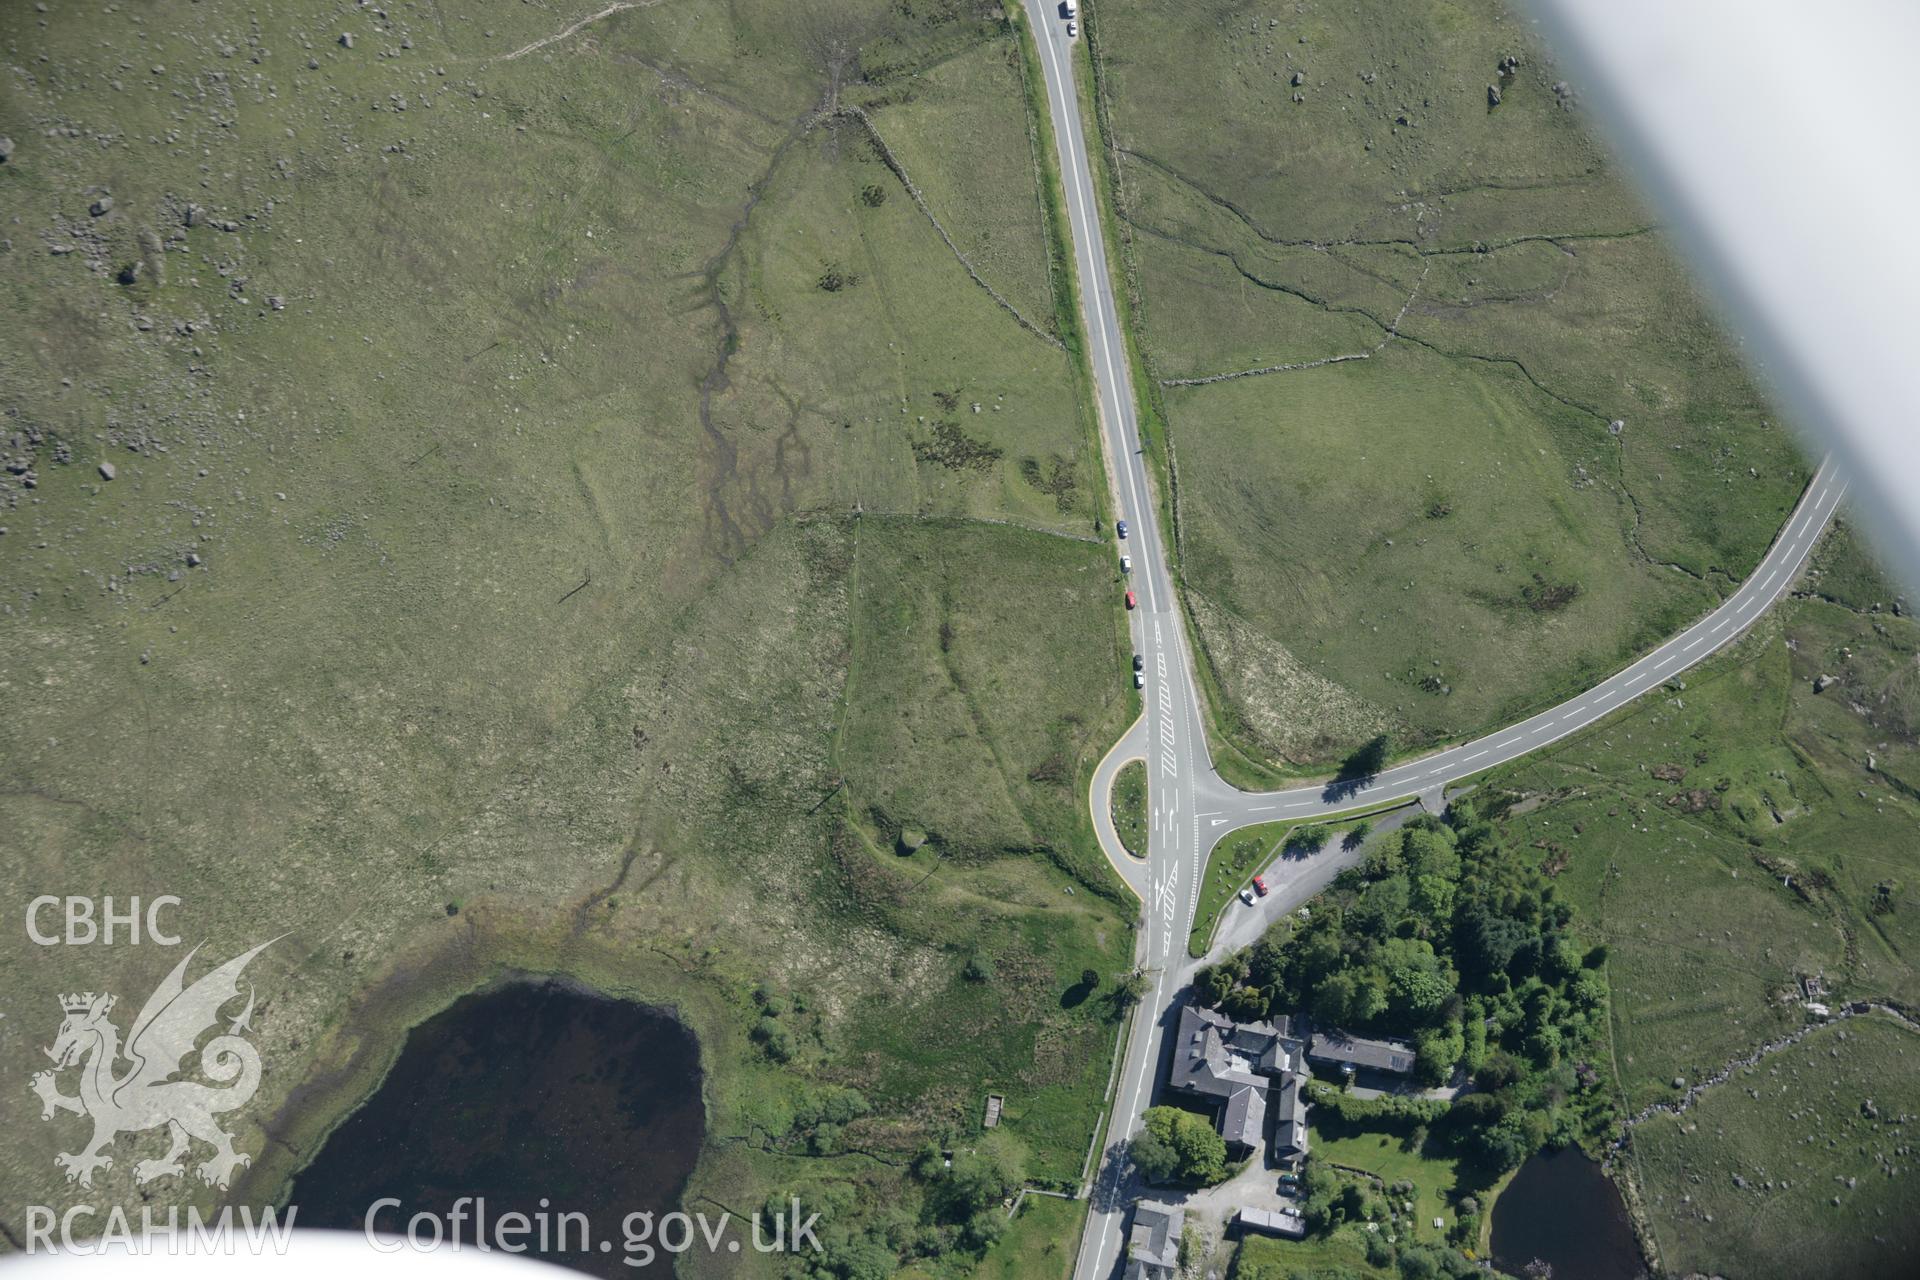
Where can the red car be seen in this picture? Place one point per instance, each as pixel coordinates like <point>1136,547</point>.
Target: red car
<point>1260,885</point>
<point>1131,602</point>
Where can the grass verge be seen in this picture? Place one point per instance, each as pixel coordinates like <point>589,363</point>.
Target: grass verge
<point>1129,802</point>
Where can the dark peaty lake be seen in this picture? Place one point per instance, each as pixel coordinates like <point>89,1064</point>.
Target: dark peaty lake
<point>539,1096</point>
<point>1561,1210</point>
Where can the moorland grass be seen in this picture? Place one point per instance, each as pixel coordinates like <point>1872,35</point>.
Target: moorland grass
<point>482,572</point>
<point>1499,300</point>
<point>1823,1168</point>
<point>1725,840</point>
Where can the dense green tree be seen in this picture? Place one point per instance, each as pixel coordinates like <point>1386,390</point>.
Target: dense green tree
<point>1176,1145</point>
<point>977,1181</point>
<point>983,1229</point>
<point>1430,851</point>
<point>1417,1263</point>
<point>1433,897</point>
<point>1245,1004</point>
<point>1486,942</point>
<point>1379,1252</point>
<point>1154,1156</point>
<point>1307,838</point>
<point>775,1037</point>
<point>1381,906</point>
<point>1437,1049</point>
<point>1589,990</point>
<point>1350,999</point>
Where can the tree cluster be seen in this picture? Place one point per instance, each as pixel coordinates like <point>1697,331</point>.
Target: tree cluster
<point>1453,939</point>
<point>1179,1146</point>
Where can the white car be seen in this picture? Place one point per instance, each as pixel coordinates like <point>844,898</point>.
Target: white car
<point>1246,896</point>
<point>1139,680</point>
<point>1073,28</point>
<point>1126,564</point>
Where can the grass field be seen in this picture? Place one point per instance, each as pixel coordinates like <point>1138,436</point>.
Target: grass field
<point>1676,826</point>
<point>1815,1136</point>
<point>1726,839</point>
<point>1490,399</point>
<point>551,527</point>
<point>1343,1253</point>
<point>1434,1178</point>
<point>1129,806</point>
<point>1040,1242</point>
<point>980,680</point>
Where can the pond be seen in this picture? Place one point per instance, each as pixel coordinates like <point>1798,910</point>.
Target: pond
<point>541,1098</point>
<point>1561,1210</point>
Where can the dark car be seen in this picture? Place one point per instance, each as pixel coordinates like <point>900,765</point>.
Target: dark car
<point>1120,527</point>
<point>1139,663</point>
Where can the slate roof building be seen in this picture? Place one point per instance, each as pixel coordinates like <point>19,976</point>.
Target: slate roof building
<point>1153,1243</point>
<point>1352,1054</point>
<point>1279,1222</point>
<point>1290,1118</point>
<point>1237,1066</point>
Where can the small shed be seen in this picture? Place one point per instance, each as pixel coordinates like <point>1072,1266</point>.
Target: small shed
<point>994,1103</point>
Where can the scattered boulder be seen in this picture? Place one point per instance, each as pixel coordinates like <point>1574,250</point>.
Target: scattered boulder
<point>1822,683</point>
<point>193,559</point>
<point>101,207</point>
<point>195,216</point>
<point>1617,426</point>
<point>346,39</point>
<point>106,471</point>
<point>1493,95</point>
<point>1694,801</point>
<point>1509,64</point>
<point>6,148</point>
<point>1669,772</point>
<point>1299,78</point>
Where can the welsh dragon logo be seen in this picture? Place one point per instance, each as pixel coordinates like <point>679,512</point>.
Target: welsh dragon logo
<point>144,1095</point>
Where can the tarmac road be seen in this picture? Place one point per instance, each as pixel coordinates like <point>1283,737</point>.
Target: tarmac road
<point>1192,807</point>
